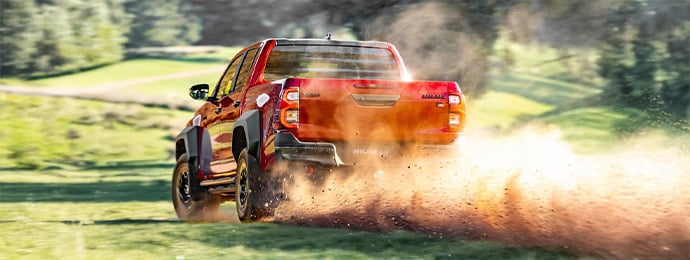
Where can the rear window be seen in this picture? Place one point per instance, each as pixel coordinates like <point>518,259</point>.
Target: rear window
<point>318,61</point>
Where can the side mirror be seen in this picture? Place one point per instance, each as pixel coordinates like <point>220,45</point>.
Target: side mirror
<point>199,91</point>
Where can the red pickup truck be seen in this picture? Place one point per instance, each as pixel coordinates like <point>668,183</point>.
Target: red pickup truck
<point>322,104</point>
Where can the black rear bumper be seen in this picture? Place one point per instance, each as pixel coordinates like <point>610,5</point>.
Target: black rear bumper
<point>289,148</point>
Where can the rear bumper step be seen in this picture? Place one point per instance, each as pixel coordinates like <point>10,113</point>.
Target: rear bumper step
<point>292,149</point>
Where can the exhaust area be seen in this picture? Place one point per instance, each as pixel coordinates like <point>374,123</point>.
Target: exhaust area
<point>527,189</point>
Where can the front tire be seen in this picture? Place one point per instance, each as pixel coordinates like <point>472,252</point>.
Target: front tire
<point>206,208</point>
<point>251,193</point>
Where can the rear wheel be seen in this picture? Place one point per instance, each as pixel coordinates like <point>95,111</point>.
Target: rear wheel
<point>251,190</point>
<point>206,208</point>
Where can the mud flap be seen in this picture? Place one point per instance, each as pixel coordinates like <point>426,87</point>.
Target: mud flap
<point>197,142</point>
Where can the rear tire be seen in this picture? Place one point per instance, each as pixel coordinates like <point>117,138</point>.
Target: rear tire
<point>206,208</point>
<point>251,189</point>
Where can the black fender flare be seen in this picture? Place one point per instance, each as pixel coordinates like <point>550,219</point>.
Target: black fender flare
<point>250,122</point>
<point>197,146</point>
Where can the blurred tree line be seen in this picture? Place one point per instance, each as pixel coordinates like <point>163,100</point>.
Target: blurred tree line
<point>49,37</point>
<point>645,56</point>
<point>643,45</point>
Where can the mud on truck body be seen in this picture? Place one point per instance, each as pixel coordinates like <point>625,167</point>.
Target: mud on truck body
<point>308,104</point>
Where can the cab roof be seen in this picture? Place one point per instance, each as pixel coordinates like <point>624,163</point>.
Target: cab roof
<point>369,44</point>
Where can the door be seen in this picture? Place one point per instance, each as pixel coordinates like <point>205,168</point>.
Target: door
<point>228,95</point>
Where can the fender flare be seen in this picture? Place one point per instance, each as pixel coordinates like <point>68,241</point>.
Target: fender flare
<point>197,146</point>
<point>250,122</point>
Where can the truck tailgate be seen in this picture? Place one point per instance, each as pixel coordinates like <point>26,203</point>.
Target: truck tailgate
<point>373,110</point>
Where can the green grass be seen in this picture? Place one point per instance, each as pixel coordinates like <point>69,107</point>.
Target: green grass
<point>542,89</point>
<point>43,132</point>
<point>132,69</point>
<point>126,70</point>
<point>132,239</point>
<point>176,89</point>
<point>124,212</point>
<point>568,65</point>
<point>521,100</point>
<point>599,129</point>
<point>87,179</point>
<point>500,110</point>
<point>591,130</point>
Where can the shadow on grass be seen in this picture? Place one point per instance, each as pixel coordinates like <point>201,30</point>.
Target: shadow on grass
<point>129,166</point>
<point>123,221</point>
<point>85,165</point>
<point>344,242</point>
<point>273,240</point>
<point>105,191</point>
<point>38,76</point>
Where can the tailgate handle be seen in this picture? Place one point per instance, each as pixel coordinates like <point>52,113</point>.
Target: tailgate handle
<point>375,99</point>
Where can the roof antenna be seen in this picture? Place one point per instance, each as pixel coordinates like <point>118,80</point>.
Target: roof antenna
<point>328,36</point>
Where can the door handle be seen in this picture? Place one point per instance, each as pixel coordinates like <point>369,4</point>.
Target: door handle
<point>236,103</point>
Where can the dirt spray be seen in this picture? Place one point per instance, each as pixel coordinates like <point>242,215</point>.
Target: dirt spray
<point>526,189</point>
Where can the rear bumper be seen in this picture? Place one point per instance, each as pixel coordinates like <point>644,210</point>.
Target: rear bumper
<point>289,148</point>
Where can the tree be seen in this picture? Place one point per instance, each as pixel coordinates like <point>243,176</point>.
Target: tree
<point>100,40</point>
<point>456,36</point>
<point>675,91</point>
<point>58,49</point>
<point>613,66</point>
<point>642,74</point>
<point>645,59</point>
<point>18,29</point>
<point>161,23</point>
<point>49,37</point>
<point>443,40</point>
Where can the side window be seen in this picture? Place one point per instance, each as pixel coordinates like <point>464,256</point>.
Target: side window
<point>225,84</point>
<point>246,67</point>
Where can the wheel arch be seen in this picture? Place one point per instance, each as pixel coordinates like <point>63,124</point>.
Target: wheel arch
<point>180,147</point>
<point>247,133</point>
<point>187,141</point>
<point>195,142</point>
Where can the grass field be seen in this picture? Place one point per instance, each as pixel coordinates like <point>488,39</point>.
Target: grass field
<point>133,69</point>
<point>536,82</point>
<point>88,179</point>
<point>43,132</point>
<point>540,90</point>
<point>520,100</point>
<point>499,110</point>
<point>124,212</point>
<point>172,89</point>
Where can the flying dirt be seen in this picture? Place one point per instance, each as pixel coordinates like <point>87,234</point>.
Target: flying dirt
<point>527,189</point>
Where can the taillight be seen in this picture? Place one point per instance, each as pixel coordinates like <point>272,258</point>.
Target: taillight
<point>456,112</point>
<point>289,108</point>
<point>453,99</point>
<point>292,116</point>
<point>454,120</point>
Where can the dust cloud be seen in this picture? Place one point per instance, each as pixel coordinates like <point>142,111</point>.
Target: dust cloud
<point>526,189</point>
